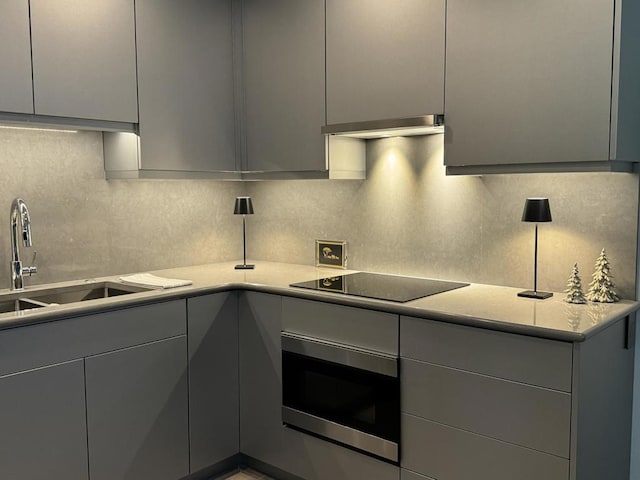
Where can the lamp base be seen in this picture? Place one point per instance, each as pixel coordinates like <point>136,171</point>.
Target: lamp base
<point>245,267</point>
<point>532,294</point>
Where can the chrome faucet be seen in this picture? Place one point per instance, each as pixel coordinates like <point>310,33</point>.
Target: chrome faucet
<point>20,211</point>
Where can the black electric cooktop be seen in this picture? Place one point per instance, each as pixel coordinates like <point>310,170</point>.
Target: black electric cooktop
<point>381,287</point>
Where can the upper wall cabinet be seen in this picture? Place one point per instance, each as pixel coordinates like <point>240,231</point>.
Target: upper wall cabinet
<point>384,59</point>
<point>84,62</point>
<point>529,85</point>
<point>185,77</point>
<point>284,87</point>
<point>16,93</point>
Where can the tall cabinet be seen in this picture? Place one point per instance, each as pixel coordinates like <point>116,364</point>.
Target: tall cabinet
<point>284,87</point>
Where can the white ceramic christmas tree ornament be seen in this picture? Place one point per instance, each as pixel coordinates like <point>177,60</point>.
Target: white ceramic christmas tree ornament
<point>574,287</point>
<point>601,288</point>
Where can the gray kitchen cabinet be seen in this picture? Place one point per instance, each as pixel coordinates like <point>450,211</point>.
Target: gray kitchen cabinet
<point>137,412</point>
<point>16,92</point>
<point>541,86</point>
<point>84,59</point>
<point>283,72</point>
<point>213,379</point>
<point>384,59</point>
<point>515,407</point>
<point>538,418</point>
<point>186,85</point>
<point>263,438</point>
<point>43,423</point>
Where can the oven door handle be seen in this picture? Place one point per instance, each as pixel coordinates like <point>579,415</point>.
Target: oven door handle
<point>339,353</point>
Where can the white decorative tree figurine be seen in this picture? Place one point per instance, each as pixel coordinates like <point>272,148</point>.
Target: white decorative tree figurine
<point>601,288</point>
<point>574,288</point>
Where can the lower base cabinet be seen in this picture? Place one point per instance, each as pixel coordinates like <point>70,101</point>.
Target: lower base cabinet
<point>137,414</point>
<point>262,434</point>
<point>213,379</point>
<point>43,425</point>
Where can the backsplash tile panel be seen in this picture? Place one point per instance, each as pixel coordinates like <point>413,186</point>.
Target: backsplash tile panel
<point>408,217</point>
<point>84,226</point>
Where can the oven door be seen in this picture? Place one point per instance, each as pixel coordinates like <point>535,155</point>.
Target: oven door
<point>345,394</point>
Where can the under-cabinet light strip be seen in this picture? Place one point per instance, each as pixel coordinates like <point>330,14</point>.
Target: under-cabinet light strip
<point>40,129</point>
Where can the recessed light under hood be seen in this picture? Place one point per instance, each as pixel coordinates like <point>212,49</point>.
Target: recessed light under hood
<point>397,127</point>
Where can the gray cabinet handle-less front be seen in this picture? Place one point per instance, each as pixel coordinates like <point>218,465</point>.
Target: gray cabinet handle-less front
<point>528,82</point>
<point>137,413</point>
<point>16,94</point>
<point>84,63</point>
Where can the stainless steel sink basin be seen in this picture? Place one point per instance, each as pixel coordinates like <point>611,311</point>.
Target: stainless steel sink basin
<point>17,305</point>
<point>83,292</point>
<point>44,297</point>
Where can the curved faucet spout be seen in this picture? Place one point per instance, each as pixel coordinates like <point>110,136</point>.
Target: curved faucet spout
<point>19,214</point>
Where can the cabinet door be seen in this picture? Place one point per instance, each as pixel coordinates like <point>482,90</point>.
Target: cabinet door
<point>384,59</point>
<point>84,59</point>
<point>185,78</point>
<point>43,424</point>
<point>213,379</point>
<point>284,65</point>
<point>137,412</point>
<point>528,82</point>
<point>16,93</point>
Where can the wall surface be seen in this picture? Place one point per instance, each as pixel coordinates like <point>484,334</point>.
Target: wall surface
<point>409,218</point>
<point>84,226</point>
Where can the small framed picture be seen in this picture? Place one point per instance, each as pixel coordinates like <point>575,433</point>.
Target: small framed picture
<point>331,254</point>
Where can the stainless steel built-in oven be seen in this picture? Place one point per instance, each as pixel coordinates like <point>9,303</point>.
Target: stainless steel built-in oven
<point>346,394</point>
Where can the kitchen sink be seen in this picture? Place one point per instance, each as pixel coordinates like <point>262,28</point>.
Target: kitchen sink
<point>17,305</point>
<point>82,292</point>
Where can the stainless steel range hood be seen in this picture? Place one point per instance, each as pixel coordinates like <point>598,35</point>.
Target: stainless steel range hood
<point>398,127</point>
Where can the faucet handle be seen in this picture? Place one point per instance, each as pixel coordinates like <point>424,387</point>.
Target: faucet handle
<point>32,269</point>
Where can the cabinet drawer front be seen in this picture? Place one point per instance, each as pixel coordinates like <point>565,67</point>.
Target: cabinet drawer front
<point>529,416</point>
<point>447,453</point>
<point>352,326</point>
<point>532,360</point>
<point>67,339</point>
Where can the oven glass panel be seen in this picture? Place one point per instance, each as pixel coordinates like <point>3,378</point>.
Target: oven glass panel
<point>356,398</point>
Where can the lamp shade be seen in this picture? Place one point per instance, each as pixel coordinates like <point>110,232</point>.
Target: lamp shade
<point>536,210</point>
<point>244,206</point>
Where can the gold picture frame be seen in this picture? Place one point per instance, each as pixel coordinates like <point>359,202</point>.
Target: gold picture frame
<point>332,254</point>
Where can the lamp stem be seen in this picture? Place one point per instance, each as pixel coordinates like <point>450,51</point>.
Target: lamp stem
<point>244,239</point>
<point>535,263</point>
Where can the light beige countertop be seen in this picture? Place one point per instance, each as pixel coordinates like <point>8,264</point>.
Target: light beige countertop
<point>485,306</point>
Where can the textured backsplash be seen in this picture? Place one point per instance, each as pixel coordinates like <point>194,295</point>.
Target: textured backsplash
<point>409,218</point>
<point>84,226</point>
